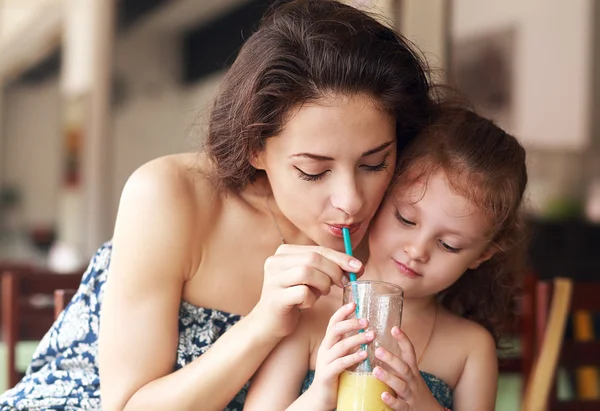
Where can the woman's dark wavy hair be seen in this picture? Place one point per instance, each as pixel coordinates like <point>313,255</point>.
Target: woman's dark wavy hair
<point>486,165</point>
<point>305,50</point>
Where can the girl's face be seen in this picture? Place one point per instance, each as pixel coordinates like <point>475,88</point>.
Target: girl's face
<point>330,167</point>
<point>426,236</point>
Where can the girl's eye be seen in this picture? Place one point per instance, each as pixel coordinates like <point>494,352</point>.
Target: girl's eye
<point>448,248</point>
<point>310,177</point>
<point>404,220</point>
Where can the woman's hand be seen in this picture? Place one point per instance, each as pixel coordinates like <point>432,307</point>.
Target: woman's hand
<point>412,393</point>
<point>295,277</point>
<point>336,354</point>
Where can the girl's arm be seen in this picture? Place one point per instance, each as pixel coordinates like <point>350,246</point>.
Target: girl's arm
<point>279,380</point>
<point>477,386</point>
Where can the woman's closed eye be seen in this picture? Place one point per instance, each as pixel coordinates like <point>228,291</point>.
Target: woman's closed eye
<point>316,177</point>
<point>310,177</point>
<point>377,167</point>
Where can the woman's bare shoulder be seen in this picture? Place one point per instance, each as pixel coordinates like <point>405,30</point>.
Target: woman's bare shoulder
<point>181,179</point>
<point>174,196</point>
<point>183,176</point>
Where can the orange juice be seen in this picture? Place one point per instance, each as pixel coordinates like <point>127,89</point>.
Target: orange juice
<point>361,392</point>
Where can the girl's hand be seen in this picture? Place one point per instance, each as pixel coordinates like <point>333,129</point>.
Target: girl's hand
<point>336,354</point>
<point>295,277</point>
<point>412,393</point>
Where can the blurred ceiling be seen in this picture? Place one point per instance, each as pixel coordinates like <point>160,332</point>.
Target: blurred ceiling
<point>156,15</point>
<point>172,15</point>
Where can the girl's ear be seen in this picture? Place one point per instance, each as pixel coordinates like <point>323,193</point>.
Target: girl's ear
<point>485,255</point>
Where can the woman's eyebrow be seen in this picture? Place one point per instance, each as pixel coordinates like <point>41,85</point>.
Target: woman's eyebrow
<point>326,158</point>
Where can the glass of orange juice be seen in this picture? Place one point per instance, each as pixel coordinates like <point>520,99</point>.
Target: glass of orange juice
<point>381,304</point>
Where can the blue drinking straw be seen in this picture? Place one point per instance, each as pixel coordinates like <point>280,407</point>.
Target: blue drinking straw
<point>348,247</point>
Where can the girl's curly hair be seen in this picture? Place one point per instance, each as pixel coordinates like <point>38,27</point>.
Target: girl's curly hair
<point>486,165</point>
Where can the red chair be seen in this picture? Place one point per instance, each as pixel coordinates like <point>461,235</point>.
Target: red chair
<point>27,307</point>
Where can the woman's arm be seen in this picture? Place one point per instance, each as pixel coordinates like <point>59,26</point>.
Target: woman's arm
<point>477,386</point>
<point>152,257</point>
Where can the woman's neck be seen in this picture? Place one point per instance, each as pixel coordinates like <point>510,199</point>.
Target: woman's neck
<point>260,196</point>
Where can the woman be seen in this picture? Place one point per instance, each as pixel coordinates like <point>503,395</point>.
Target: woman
<point>303,140</point>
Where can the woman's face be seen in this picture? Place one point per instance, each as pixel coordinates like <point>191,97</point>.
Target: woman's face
<point>330,167</point>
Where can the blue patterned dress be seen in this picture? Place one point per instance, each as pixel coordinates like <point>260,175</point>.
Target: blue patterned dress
<point>63,374</point>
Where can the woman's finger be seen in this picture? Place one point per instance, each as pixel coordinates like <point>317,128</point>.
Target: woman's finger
<point>327,260</point>
<point>298,297</point>
<point>304,275</point>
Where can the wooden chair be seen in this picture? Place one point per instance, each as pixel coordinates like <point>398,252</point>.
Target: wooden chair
<point>540,382</point>
<point>580,354</point>
<point>522,362</point>
<point>528,323</point>
<point>22,318</point>
<point>62,298</point>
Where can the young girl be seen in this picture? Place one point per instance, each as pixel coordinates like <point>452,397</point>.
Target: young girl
<point>450,234</point>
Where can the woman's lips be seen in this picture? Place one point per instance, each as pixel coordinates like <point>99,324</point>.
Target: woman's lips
<point>336,229</point>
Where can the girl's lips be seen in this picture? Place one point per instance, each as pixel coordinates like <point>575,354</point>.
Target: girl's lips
<point>336,229</point>
<point>407,271</point>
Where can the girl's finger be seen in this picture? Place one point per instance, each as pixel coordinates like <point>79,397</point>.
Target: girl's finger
<point>400,387</point>
<point>400,367</point>
<point>341,364</point>
<point>406,347</point>
<point>349,344</point>
<point>394,403</point>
